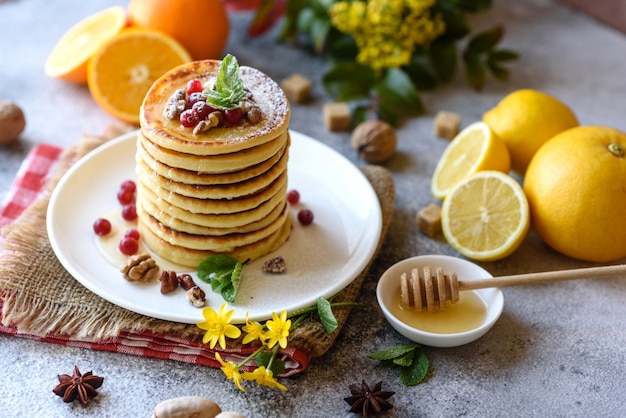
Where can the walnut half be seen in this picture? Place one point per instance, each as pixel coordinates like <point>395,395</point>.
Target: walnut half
<point>140,268</point>
<point>374,140</point>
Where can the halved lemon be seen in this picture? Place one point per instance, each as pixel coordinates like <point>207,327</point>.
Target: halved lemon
<point>122,71</point>
<point>486,216</point>
<point>474,149</point>
<point>68,59</point>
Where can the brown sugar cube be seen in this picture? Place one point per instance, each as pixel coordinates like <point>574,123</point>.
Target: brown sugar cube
<point>337,116</point>
<point>429,220</point>
<point>297,88</point>
<point>446,125</point>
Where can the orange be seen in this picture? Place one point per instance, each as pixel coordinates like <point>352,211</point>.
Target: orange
<point>576,189</point>
<point>202,26</point>
<point>123,70</point>
<point>68,59</point>
<point>525,119</point>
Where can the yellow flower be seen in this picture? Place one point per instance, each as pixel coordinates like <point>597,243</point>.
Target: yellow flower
<point>253,330</point>
<point>217,326</point>
<point>264,377</point>
<point>278,330</point>
<point>231,370</point>
<point>387,32</point>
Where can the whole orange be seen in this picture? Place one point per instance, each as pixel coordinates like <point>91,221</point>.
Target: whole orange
<point>576,190</point>
<point>201,26</point>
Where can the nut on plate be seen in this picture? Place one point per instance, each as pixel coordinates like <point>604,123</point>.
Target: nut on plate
<point>140,268</point>
<point>12,122</point>
<point>374,140</point>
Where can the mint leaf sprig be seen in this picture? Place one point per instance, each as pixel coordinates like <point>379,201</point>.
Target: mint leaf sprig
<point>223,273</point>
<point>409,359</point>
<point>229,90</point>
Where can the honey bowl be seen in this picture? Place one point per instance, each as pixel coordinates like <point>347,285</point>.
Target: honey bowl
<point>460,323</point>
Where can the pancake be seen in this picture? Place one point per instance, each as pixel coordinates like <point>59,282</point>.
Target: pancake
<point>168,134</point>
<point>223,163</point>
<point>217,191</point>
<point>194,177</point>
<point>219,187</point>
<point>192,258</point>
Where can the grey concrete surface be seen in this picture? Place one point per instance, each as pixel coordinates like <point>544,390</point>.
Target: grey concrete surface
<point>557,350</point>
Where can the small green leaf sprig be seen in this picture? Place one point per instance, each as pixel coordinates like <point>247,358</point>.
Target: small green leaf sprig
<point>409,359</point>
<point>229,90</point>
<point>224,274</point>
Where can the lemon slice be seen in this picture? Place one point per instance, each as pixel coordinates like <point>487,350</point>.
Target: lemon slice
<point>68,59</point>
<point>474,149</point>
<point>486,216</point>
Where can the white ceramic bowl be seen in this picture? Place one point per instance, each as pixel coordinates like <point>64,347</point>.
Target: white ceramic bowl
<point>389,287</point>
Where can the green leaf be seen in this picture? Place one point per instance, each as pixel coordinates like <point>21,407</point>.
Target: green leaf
<point>443,58</point>
<point>455,22</point>
<point>405,360</point>
<point>393,352</point>
<point>475,71</point>
<point>486,40</point>
<point>262,358</point>
<point>472,6</point>
<point>224,274</point>
<point>347,81</point>
<point>420,76</point>
<point>325,312</point>
<point>498,72</point>
<point>503,55</point>
<point>229,90</point>
<point>397,96</point>
<point>415,374</point>
<point>319,32</point>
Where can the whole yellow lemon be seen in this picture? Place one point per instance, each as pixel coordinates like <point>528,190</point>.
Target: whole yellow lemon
<point>576,190</point>
<point>525,120</point>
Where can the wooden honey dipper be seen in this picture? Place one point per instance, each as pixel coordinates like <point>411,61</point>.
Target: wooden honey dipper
<point>432,291</point>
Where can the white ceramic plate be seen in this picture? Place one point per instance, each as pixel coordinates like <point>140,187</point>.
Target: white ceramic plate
<point>322,258</point>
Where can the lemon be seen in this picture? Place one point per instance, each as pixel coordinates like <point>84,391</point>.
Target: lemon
<point>576,188</point>
<point>474,149</point>
<point>525,120</point>
<point>486,216</point>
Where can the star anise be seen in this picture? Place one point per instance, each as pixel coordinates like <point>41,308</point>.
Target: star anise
<point>81,386</point>
<point>364,399</point>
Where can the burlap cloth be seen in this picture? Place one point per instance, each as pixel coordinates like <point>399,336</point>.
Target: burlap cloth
<point>40,298</point>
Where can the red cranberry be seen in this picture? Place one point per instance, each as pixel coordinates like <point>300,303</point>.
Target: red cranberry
<point>129,212</point>
<point>188,118</point>
<point>305,216</point>
<point>202,109</point>
<point>293,197</point>
<point>132,233</point>
<point>128,185</point>
<point>194,86</point>
<point>232,116</point>
<point>102,227</point>
<point>129,246</point>
<point>125,196</point>
<point>193,99</point>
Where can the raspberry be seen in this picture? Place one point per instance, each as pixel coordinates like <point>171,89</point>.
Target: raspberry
<point>129,212</point>
<point>102,227</point>
<point>305,216</point>
<point>293,197</point>
<point>129,246</point>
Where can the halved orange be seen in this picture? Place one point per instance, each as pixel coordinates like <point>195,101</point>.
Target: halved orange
<point>120,74</point>
<point>68,59</point>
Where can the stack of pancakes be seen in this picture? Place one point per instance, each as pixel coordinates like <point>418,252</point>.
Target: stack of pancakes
<point>219,192</point>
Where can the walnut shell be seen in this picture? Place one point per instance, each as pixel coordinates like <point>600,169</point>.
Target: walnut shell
<point>374,140</point>
<point>12,122</point>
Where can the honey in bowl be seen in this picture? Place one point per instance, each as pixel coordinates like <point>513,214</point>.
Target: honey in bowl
<point>467,314</point>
